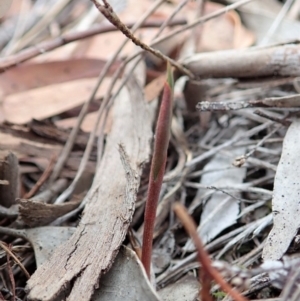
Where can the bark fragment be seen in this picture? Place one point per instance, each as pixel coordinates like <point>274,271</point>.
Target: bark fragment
<point>91,250</point>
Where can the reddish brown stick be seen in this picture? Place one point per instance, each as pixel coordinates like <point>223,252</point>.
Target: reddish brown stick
<point>203,257</point>
<point>41,180</point>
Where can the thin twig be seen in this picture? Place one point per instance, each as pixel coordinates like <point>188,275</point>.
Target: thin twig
<point>7,250</point>
<point>232,141</point>
<point>184,28</point>
<point>41,180</point>
<point>239,161</point>
<point>168,21</point>
<point>284,121</point>
<point>46,46</point>
<point>10,273</point>
<point>290,101</point>
<point>283,12</point>
<point>201,20</point>
<point>111,16</point>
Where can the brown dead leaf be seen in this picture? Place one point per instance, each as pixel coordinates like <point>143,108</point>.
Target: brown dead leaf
<point>154,88</point>
<point>33,146</point>
<point>49,131</point>
<point>36,75</point>
<point>126,280</point>
<point>44,102</point>
<point>108,43</point>
<point>87,124</point>
<point>223,32</point>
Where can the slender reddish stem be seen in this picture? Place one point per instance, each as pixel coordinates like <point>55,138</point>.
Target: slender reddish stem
<point>162,137</point>
<point>149,219</point>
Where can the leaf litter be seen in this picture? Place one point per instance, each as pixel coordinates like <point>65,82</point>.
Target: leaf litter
<point>232,164</point>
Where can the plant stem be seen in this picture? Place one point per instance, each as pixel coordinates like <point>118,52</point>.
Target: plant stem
<point>162,137</point>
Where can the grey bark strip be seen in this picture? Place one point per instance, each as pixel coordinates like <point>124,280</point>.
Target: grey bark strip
<point>91,250</point>
<point>290,101</point>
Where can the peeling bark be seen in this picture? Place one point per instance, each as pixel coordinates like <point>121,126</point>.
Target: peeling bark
<point>78,264</point>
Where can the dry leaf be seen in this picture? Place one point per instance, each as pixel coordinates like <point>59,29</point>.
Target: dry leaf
<point>44,240</point>
<point>35,75</point>
<point>49,101</point>
<point>126,280</point>
<point>285,203</point>
<point>154,88</point>
<point>223,32</point>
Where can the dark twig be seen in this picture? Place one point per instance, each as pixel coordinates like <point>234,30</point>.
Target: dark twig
<point>111,16</point>
<point>41,180</point>
<point>7,250</point>
<point>284,121</point>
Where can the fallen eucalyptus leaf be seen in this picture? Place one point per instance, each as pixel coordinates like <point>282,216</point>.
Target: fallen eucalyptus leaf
<point>44,240</point>
<point>285,203</point>
<point>125,281</point>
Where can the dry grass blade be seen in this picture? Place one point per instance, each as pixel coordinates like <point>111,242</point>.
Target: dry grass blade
<point>12,255</point>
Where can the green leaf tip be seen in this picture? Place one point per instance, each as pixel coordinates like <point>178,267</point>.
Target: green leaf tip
<point>170,77</point>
